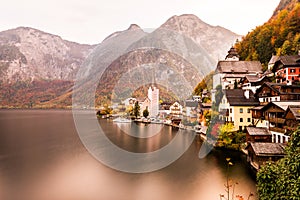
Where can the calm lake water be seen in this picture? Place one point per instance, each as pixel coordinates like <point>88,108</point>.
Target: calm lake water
<point>42,158</point>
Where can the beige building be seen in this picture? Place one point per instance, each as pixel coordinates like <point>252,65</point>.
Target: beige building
<point>236,107</point>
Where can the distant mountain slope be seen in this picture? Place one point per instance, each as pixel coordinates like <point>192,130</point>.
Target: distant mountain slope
<point>215,40</point>
<point>30,54</point>
<point>38,69</point>
<point>280,35</point>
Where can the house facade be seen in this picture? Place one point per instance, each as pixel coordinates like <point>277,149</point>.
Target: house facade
<point>287,69</point>
<point>275,92</point>
<point>274,116</point>
<point>176,110</point>
<point>236,108</point>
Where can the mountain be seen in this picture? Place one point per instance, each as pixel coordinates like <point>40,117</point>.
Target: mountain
<point>280,35</point>
<point>215,39</point>
<point>30,54</point>
<point>178,55</point>
<point>38,69</point>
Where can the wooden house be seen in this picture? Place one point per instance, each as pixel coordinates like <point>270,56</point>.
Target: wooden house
<point>258,134</point>
<point>272,92</point>
<point>261,152</point>
<point>292,118</point>
<point>287,69</point>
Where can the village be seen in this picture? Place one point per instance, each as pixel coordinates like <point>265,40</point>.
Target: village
<point>264,106</point>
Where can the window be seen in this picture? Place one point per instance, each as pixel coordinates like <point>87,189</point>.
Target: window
<point>248,110</point>
<point>230,110</point>
<point>241,110</point>
<point>241,120</point>
<point>293,70</point>
<point>248,120</point>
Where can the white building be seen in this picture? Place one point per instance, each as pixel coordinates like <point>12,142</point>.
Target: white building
<point>153,95</point>
<point>231,71</point>
<point>176,109</point>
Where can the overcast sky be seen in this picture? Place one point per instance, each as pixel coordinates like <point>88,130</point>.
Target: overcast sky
<point>90,21</point>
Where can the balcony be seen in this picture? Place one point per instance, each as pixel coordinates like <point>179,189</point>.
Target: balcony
<point>276,120</point>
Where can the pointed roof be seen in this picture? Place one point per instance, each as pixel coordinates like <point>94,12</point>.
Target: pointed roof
<point>232,53</point>
<point>295,110</point>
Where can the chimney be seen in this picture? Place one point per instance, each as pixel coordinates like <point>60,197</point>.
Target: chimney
<point>247,94</point>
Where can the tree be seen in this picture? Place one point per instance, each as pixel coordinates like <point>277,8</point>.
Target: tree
<point>146,112</point>
<point>136,109</point>
<point>280,180</point>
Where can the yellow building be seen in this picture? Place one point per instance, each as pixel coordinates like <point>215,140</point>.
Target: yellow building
<point>236,107</point>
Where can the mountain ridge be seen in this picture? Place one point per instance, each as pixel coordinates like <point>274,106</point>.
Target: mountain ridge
<point>31,59</point>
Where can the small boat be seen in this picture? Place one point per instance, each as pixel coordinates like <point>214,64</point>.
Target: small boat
<point>168,122</point>
<point>181,126</point>
<point>146,120</point>
<point>121,120</point>
<point>156,121</point>
<point>197,129</point>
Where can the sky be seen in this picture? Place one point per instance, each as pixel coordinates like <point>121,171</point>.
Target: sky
<point>90,21</point>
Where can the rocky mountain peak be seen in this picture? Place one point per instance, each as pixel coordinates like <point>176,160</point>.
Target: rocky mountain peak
<point>207,36</point>
<point>184,22</point>
<point>134,27</point>
<point>31,54</point>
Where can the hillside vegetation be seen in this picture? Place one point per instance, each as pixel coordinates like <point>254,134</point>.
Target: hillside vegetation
<point>279,36</point>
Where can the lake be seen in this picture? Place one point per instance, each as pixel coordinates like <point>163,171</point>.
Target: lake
<point>43,158</point>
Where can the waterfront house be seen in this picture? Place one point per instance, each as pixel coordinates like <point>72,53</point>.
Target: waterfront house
<point>176,109</point>
<point>287,69</point>
<point>258,134</point>
<point>236,107</point>
<point>261,152</point>
<point>190,110</point>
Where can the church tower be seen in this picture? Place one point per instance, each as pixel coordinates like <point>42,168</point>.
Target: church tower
<point>232,55</point>
<point>153,95</point>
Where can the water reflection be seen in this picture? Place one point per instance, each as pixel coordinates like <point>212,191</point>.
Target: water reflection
<point>41,157</point>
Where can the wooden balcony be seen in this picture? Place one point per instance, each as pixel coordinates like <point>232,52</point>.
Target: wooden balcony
<point>276,120</point>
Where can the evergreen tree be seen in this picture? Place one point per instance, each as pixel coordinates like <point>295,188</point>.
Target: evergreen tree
<point>146,113</point>
<point>136,109</point>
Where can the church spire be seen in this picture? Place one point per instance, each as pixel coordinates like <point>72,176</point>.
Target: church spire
<point>232,55</point>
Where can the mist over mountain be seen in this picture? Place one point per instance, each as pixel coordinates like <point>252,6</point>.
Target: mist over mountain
<point>38,69</point>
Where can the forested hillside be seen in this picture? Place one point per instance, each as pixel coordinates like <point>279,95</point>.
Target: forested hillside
<point>279,36</point>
